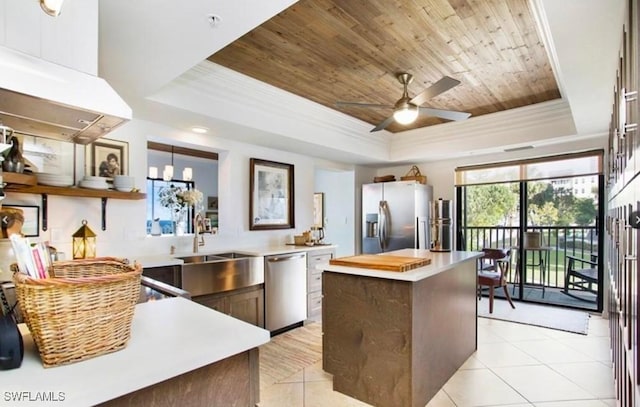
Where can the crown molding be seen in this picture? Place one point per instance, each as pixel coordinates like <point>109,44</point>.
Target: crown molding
<point>222,94</point>
<point>524,126</point>
<point>223,85</point>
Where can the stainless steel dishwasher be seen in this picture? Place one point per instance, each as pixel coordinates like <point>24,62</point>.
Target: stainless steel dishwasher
<point>285,290</point>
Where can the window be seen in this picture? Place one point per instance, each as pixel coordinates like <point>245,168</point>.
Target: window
<point>155,209</point>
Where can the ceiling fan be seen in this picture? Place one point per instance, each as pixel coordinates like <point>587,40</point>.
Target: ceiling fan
<point>406,109</point>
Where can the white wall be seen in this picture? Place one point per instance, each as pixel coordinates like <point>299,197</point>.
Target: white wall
<point>126,233</point>
<point>339,202</point>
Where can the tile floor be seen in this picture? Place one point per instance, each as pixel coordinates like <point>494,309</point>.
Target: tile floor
<point>515,366</point>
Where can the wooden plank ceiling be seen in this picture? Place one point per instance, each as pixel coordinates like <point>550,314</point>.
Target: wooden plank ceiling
<point>351,50</point>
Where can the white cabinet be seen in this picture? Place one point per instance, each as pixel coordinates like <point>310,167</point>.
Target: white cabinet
<point>316,260</point>
<point>71,39</point>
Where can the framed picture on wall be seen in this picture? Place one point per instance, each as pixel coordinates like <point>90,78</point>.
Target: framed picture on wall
<point>106,158</point>
<point>271,195</point>
<point>207,224</point>
<point>318,209</point>
<point>212,203</point>
<point>31,215</point>
<point>47,155</point>
<point>212,217</point>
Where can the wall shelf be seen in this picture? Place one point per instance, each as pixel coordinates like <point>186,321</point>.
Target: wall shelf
<point>74,191</point>
<point>19,178</point>
<point>45,191</point>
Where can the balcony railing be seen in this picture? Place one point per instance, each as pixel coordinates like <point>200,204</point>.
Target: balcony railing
<point>580,241</point>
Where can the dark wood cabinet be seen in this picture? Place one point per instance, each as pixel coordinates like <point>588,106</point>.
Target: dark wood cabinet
<point>214,301</point>
<point>246,304</point>
<point>622,236</point>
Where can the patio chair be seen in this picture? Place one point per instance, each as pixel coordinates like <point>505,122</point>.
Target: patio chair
<point>582,278</point>
<point>492,271</point>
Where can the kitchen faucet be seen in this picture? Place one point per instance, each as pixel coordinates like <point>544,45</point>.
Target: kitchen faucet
<point>197,221</point>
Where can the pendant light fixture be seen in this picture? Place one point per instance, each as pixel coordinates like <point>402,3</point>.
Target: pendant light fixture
<point>52,7</point>
<point>167,174</point>
<point>169,170</point>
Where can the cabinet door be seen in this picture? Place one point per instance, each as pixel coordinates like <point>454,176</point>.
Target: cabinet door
<point>248,307</point>
<point>71,39</point>
<point>314,281</point>
<point>216,302</point>
<point>314,306</point>
<point>316,263</point>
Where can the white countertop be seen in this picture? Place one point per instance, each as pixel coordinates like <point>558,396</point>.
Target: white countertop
<point>158,260</point>
<point>281,249</point>
<point>440,261</point>
<point>168,338</point>
<point>171,260</point>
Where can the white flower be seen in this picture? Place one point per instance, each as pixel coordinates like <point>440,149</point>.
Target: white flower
<point>178,198</point>
<point>190,197</point>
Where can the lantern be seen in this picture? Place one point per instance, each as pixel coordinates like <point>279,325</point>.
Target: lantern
<point>84,242</point>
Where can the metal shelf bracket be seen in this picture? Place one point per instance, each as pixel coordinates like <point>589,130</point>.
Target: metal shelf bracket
<point>44,211</point>
<point>104,213</point>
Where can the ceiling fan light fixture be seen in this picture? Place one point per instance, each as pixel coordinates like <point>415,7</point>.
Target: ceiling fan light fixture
<point>406,114</point>
<point>51,7</point>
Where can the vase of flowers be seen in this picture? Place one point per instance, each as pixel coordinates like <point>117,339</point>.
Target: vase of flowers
<point>179,201</point>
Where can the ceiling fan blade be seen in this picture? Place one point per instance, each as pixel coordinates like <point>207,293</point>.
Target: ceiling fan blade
<point>356,104</point>
<point>383,124</point>
<point>437,88</point>
<point>444,114</point>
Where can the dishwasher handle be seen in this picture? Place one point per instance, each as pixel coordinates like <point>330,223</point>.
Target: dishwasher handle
<point>274,259</point>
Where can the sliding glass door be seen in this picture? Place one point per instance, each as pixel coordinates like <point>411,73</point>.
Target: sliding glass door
<point>552,228</point>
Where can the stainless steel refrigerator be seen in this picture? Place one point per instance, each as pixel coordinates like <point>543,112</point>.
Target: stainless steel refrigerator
<point>395,215</point>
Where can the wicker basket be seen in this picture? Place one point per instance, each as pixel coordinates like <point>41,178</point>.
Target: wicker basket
<point>84,311</point>
<point>414,175</point>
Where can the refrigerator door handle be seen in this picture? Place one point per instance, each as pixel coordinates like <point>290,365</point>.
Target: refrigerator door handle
<point>421,232</point>
<point>381,226</point>
<point>384,224</point>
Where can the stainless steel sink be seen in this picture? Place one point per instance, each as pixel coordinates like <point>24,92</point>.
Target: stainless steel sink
<point>194,259</point>
<point>231,255</point>
<point>209,274</point>
<point>202,258</point>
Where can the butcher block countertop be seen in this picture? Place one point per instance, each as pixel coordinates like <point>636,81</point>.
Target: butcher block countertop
<point>382,262</point>
<point>440,261</point>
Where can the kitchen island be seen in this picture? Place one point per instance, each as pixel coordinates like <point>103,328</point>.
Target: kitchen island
<point>395,338</point>
<point>180,353</point>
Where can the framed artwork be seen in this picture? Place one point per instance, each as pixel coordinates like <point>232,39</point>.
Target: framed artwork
<point>318,209</point>
<point>106,158</point>
<point>271,195</point>
<point>47,155</point>
<point>212,203</point>
<point>31,214</point>
<point>212,216</point>
<point>207,224</point>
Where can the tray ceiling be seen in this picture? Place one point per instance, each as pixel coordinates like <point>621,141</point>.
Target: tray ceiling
<point>347,50</point>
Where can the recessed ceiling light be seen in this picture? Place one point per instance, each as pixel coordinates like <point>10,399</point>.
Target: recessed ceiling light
<point>199,130</point>
<point>214,19</point>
